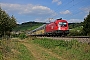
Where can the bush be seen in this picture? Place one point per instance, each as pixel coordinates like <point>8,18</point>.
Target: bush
<point>77,31</point>
<point>22,36</point>
<point>74,32</point>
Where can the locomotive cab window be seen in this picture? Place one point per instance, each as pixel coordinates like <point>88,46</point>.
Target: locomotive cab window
<point>63,24</point>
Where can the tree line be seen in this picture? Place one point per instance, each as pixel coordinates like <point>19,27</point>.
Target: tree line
<point>86,25</point>
<point>7,23</point>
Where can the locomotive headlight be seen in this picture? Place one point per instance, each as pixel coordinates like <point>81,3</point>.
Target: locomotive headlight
<point>62,23</point>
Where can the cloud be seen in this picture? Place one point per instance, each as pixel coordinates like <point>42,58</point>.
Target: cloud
<point>28,9</point>
<point>39,20</point>
<point>57,1</point>
<point>75,20</point>
<point>47,20</point>
<point>65,12</point>
<point>85,10</point>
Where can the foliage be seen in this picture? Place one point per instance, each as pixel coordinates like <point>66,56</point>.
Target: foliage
<point>74,25</point>
<point>86,25</point>
<point>15,35</point>
<point>76,31</point>
<point>22,36</point>
<point>7,23</point>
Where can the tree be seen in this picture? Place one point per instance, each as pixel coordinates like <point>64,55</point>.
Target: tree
<point>86,25</point>
<point>7,23</point>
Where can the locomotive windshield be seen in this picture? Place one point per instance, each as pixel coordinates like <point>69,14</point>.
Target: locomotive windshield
<point>62,23</point>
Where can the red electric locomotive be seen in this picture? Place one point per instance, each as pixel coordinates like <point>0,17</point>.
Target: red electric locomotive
<point>57,28</point>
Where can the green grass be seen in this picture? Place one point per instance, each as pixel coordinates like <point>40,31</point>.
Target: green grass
<point>24,53</point>
<point>1,56</point>
<point>14,50</point>
<point>49,43</point>
<point>71,50</point>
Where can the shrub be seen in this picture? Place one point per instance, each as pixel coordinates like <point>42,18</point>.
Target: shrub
<point>22,36</point>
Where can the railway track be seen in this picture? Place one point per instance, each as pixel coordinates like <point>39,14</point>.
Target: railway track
<point>77,37</point>
<point>83,39</point>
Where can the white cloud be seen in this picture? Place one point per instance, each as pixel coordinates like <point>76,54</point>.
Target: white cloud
<point>85,10</point>
<point>65,12</point>
<point>34,10</point>
<point>39,20</point>
<point>75,20</point>
<point>57,1</point>
<point>47,20</point>
<point>53,1</point>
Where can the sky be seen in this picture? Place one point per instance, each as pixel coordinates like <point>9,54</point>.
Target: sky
<point>45,10</point>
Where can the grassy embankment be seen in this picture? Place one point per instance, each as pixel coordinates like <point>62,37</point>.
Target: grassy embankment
<point>69,50</point>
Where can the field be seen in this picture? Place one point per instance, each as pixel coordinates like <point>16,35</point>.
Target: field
<point>33,48</point>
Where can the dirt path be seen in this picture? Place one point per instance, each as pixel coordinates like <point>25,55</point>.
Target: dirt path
<point>41,53</point>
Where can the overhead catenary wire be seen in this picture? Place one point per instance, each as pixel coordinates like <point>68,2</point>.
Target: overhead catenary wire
<point>57,9</point>
<point>67,8</point>
<point>76,11</point>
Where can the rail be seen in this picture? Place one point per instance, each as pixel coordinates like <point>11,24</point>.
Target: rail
<point>83,39</point>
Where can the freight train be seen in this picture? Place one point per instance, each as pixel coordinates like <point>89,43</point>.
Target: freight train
<point>57,28</point>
